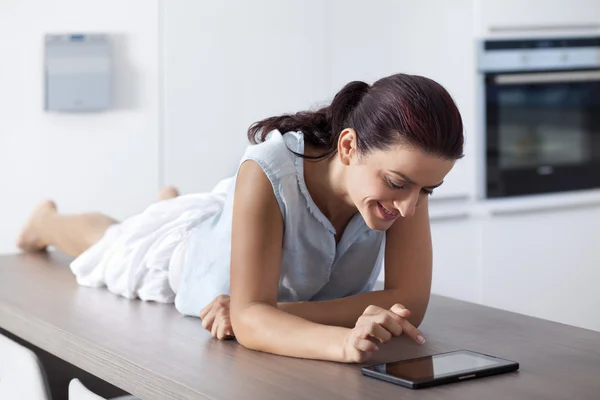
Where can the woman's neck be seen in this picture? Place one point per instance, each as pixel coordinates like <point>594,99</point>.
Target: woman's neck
<point>326,183</point>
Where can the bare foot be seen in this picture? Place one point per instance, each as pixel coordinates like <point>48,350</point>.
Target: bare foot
<point>168,192</point>
<point>29,239</point>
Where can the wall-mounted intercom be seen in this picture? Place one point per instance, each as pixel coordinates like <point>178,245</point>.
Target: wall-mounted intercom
<point>78,72</point>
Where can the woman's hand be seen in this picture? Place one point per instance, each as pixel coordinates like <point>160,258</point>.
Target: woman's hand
<point>215,318</point>
<point>377,325</point>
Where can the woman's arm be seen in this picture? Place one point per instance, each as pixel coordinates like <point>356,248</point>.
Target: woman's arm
<point>252,310</point>
<point>257,236</point>
<point>408,270</point>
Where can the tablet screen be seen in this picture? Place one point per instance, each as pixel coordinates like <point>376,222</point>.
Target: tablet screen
<point>438,365</point>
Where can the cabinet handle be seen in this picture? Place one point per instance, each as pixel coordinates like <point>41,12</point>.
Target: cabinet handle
<point>448,199</point>
<point>548,77</point>
<point>533,28</point>
<point>543,209</point>
<point>449,217</point>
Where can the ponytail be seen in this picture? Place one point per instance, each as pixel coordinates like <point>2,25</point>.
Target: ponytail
<point>320,128</point>
<point>400,108</point>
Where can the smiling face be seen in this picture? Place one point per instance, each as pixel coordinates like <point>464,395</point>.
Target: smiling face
<point>385,185</point>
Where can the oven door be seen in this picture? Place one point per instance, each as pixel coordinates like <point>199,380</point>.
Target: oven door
<point>542,132</point>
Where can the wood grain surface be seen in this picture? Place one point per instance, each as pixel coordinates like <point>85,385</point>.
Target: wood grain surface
<point>153,352</point>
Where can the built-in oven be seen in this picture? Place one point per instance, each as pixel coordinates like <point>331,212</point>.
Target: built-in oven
<point>541,115</point>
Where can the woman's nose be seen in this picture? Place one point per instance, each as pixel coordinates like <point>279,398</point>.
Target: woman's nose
<point>407,205</point>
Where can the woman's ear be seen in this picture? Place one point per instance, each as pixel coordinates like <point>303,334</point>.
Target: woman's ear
<point>347,146</point>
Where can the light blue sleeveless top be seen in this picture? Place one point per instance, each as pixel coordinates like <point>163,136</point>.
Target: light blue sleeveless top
<point>313,266</point>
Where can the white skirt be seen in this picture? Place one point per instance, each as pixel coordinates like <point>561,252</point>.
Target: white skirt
<point>142,257</point>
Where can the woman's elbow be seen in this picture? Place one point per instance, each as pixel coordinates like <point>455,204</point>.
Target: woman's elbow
<point>244,327</point>
<point>242,331</point>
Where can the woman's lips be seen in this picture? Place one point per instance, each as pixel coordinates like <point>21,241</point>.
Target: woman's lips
<point>387,214</point>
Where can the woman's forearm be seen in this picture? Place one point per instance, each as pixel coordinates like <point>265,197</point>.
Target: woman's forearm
<point>345,312</point>
<point>266,328</point>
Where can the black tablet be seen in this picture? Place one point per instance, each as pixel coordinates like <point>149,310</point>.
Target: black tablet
<point>439,369</point>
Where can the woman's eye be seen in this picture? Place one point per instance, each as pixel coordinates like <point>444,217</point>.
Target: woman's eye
<point>393,185</point>
<point>427,192</point>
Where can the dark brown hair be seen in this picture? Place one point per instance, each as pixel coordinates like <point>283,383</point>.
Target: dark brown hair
<point>399,108</point>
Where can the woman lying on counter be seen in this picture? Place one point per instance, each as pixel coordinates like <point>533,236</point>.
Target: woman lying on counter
<point>298,236</point>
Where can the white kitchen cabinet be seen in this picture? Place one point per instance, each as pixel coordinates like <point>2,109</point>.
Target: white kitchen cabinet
<point>544,264</point>
<point>433,38</point>
<point>456,244</point>
<point>533,16</point>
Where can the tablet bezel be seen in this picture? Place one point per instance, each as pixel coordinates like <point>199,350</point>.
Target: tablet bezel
<point>502,365</point>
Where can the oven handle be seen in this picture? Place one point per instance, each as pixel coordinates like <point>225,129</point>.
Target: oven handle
<point>548,77</point>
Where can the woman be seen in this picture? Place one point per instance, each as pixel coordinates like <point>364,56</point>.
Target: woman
<point>298,236</point>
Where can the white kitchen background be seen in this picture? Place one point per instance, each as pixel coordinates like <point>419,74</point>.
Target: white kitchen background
<point>193,75</point>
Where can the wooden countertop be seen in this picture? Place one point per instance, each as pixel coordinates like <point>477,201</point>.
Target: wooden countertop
<point>152,351</point>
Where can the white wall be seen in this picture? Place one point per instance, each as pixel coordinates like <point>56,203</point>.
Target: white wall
<point>228,64</point>
<point>105,161</point>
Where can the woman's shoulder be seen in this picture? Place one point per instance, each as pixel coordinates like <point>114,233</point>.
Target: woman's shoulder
<point>276,155</point>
